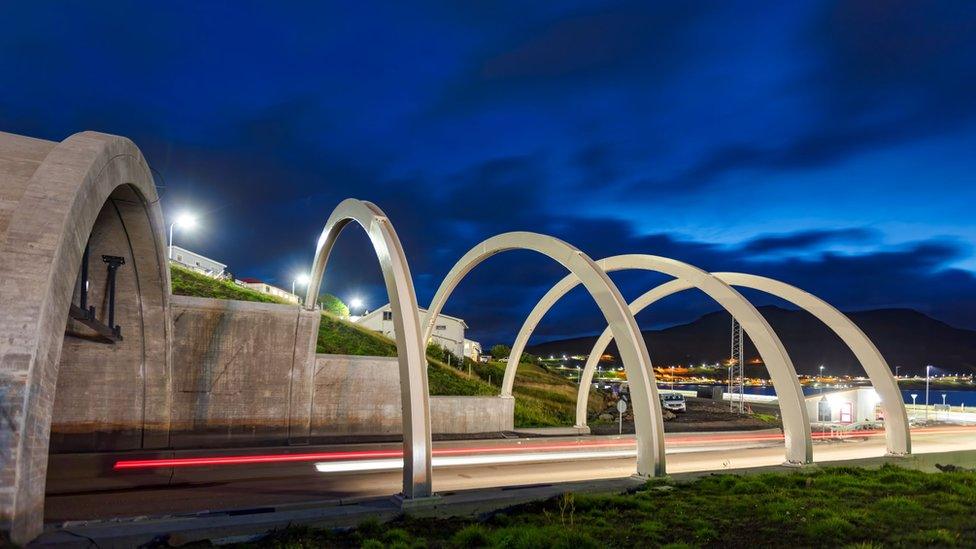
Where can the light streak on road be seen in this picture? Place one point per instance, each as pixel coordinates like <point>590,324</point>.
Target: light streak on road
<point>575,449</point>
<point>375,465</point>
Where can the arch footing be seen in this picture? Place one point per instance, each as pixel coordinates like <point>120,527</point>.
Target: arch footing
<point>644,478</point>
<point>414,504</point>
<point>797,464</point>
<point>891,454</point>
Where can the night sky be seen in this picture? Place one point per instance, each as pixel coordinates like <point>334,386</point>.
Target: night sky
<point>829,144</point>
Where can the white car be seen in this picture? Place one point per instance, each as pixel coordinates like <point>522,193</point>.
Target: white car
<point>673,401</point>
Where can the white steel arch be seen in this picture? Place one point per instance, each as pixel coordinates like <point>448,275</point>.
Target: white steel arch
<point>414,393</point>
<point>897,432</point>
<point>647,408</point>
<point>796,424</point>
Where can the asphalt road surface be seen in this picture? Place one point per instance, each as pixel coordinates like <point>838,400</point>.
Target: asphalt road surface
<point>592,458</point>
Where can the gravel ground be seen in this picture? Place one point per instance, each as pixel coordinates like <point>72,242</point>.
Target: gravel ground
<point>702,415</point>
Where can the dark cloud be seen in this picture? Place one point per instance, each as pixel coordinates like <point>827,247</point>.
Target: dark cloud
<point>806,240</point>
<point>886,73</point>
<point>587,48</point>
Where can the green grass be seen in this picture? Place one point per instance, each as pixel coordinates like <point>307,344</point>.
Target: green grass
<point>191,283</point>
<point>542,398</point>
<point>830,507</point>
<point>339,337</point>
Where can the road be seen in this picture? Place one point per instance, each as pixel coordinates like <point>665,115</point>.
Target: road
<point>609,457</point>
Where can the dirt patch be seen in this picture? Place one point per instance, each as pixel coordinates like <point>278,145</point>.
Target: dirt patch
<point>702,415</point>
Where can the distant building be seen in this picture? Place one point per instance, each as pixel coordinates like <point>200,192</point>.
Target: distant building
<point>448,330</point>
<point>472,349</point>
<point>859,404</point>
<point>196,262</point>
<point>265,288</point>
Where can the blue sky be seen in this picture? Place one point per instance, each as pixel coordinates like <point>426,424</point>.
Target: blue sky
<point>826,143</point>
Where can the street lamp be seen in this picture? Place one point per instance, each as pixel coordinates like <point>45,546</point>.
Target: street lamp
<point>355,303</point>
<point>896,371</point>
<point>821,378</point>
<point>300,280</point>
<point>184,221</point>
<point>672,378</point>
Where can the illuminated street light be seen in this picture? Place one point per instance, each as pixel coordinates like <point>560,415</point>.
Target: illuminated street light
<point>355,303</point>
<point>300,280</point>
<point>184,221</point>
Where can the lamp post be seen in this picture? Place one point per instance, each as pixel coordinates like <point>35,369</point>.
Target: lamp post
<point>300,280</point>
<point>672,379</point>
<point>927,376</point>
<point>896,371</point>
<point>821,379</point>
<point>185,221</point>
<point>355,303</point>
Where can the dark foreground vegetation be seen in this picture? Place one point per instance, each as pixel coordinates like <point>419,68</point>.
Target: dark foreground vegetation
<point>830,507</point>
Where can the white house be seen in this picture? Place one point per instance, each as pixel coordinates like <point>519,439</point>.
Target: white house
<point>472,349</point>
<point>197,262</point>
<point>855,405</point>
<point>265,288</point>
<point>448,330</point>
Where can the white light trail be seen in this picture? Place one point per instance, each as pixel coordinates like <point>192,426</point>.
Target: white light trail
<point>464,461</point>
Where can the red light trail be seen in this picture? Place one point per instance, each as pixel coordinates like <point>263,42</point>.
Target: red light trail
<point>678,440</point>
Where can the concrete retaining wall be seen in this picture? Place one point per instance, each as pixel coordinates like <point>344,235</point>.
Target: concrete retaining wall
<point>242,375</point>
<point>356,395</point>
<point>241,372</point>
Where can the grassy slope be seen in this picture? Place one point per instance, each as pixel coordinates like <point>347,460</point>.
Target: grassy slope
<point>187,282</point>
<point>831,507</point>
<point>543,398</point>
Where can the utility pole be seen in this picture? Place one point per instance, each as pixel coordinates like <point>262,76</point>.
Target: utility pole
<point>736,369</point>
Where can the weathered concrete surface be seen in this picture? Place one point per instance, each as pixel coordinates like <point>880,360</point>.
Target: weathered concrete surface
<point>117,396</point>
<point>52,196</point>
<point>357,395</point>
<point>242,372</point>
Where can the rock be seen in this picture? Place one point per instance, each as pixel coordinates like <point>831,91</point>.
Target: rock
<point>606,417</point>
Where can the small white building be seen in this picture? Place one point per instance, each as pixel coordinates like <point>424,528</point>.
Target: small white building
<point>448,330</point>
<point>472,349</point>
<point>265,288</point>
<point>845,406</point>
<point>196,262</point>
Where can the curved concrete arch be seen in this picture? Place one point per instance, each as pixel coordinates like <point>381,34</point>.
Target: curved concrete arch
<point>59,192</point>
<point>897,433</point>
<point>633,351</point>
<point>414,392</point>
<point>796,424</point>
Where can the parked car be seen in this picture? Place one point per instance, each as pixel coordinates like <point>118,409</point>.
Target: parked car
<point>673,401</point>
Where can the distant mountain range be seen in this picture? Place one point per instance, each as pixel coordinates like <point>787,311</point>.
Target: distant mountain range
<point>906,338</point>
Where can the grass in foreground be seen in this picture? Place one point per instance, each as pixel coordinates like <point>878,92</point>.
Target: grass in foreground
<point>831,507</point>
